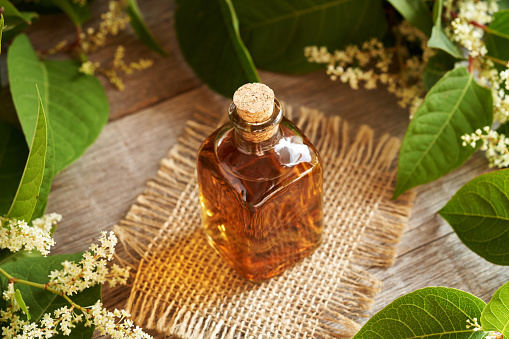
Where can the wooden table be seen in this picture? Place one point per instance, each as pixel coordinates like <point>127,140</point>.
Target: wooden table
<point>146,118</point>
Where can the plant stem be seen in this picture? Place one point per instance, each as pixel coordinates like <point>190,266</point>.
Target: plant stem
<point>41,286</point>
<point>60,293</point>
<point>470,64</point>
<point>495,60</point>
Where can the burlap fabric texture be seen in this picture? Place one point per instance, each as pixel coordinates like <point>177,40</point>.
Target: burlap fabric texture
<point>183,287</point>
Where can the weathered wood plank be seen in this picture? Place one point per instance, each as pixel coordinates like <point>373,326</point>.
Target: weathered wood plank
<point>165,79</point>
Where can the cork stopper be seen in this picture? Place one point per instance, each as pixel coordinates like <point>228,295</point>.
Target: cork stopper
<point>254,102</point>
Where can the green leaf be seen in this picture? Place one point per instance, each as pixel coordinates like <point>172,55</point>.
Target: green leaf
<point>478,214</point>
<point>76,104</point>
<point>40,301</point>
<point>432,146</point>
<point>49,173</point>
<point>77,13</point>
<point>276,32</point>
<point>23,206</point>
<point>13,157</point>
<point>14,20</point>
<point>497,37</point>
<point>6,256</point>
<point>207,31</point>
<point>438,37</point>
<point>437,66</point>
<point>21,303</point>
<point>141,29</point>
<point>416,12</point>
<point>500,24</point>
<point>432,312</point>
<point>495,316</point>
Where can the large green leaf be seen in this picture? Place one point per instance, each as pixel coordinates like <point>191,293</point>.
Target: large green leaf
<point>207,31</point>
<point>432,145</point>
<point>432,312</point>
<point>13,157</point>
<point>479,215</point>
<point>14,20</point>
<point>276,32</point>
<point>76,104</point>
<point>6,256</point>
<point>437,66</point>
<point>497,37</point>
<point>140,28</point>
<point>416,12</point>
<point>24,202</point>
<point>40,301</point>
<point>438,37</point>
<point>495,316</point>
<point>77,13</point>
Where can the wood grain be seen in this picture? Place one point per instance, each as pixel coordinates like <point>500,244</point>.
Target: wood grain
<point>167,78</point>
<point>147,117</point>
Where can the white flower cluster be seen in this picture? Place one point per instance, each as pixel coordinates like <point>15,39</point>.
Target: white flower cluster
<point>106,323</point>
<point>504,77</point>
<point>474,326</point>
<point>72,279</point>
<point>467,27</point>
<point>350,66</point>
<point>494,145</point>
<point>91,270</point>
<point>47,222</point>
<point>117,324</point>
<point>347,65</point>
<point>491,78</point>
<point>17,234</point>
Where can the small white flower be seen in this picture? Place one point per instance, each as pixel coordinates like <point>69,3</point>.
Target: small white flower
<point>495,146</point>
<point>91,270</point>
<point>16,234</point>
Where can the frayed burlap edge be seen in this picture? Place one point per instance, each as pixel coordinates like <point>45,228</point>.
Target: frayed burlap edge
<point>142,226</point>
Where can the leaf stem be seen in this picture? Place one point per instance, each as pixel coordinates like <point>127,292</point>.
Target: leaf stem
<point>496,60</point>
<point>41,286</point>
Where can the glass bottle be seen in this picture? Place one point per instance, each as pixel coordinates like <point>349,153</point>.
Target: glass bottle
<point>261,187</point>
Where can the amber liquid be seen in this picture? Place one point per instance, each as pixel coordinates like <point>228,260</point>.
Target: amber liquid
<point>261,204</point>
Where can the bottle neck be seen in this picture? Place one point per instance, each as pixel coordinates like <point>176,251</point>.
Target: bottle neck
<point>256,138</point>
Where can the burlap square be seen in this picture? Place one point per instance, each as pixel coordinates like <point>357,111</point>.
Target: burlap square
<point>183,287</point>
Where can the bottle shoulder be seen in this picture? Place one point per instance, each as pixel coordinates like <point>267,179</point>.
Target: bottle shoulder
<point>292,150</point>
